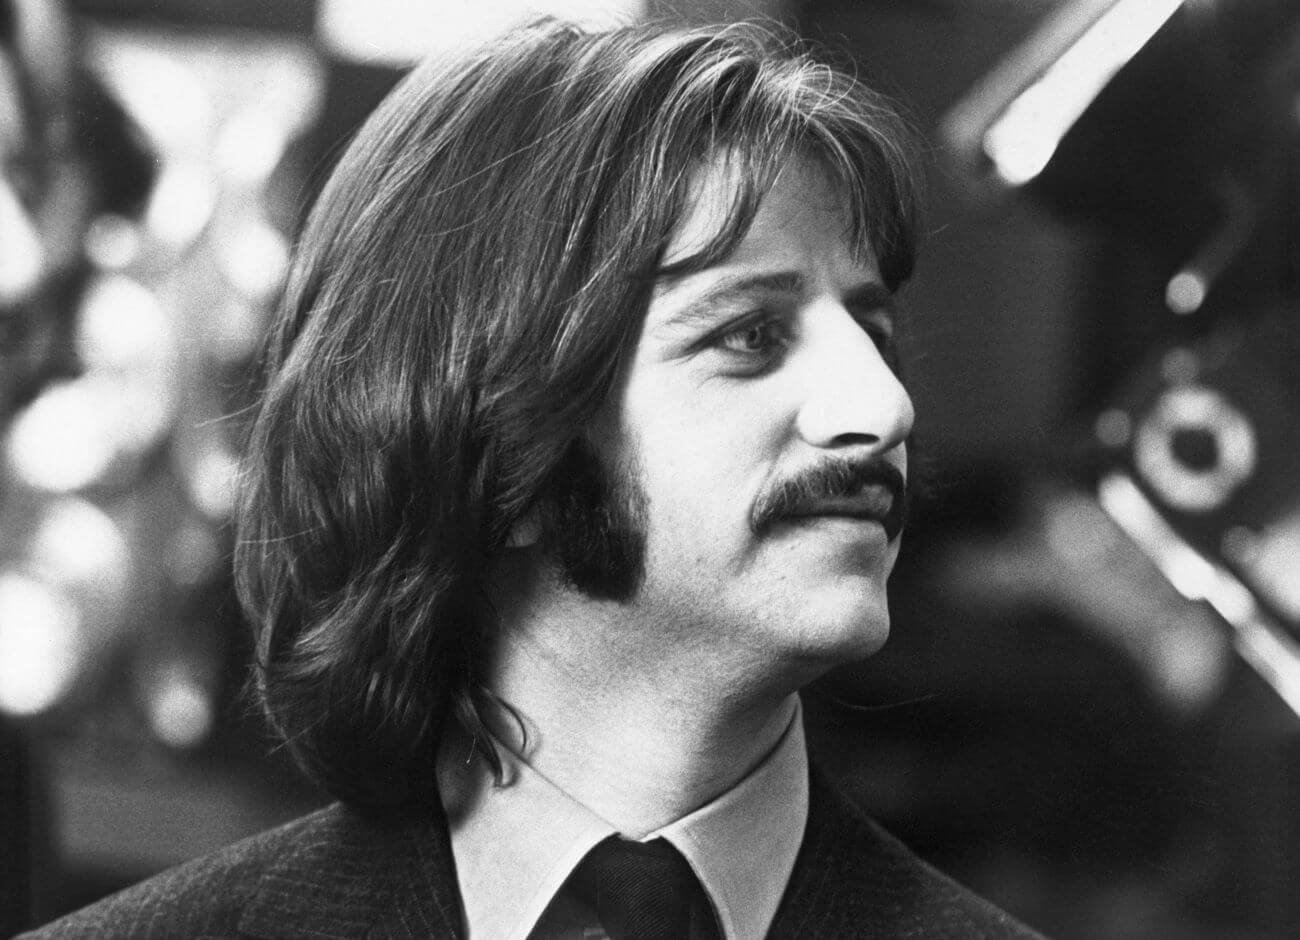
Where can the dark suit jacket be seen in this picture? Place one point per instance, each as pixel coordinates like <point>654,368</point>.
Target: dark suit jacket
<point>337,874</point>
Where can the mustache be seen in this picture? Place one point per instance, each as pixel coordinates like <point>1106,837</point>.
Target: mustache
<point>808,493</point>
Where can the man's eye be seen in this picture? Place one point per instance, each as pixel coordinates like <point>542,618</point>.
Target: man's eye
<point>756,338</point>
<point>883,337</point>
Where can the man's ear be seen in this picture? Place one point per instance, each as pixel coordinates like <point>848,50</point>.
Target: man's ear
<point>526,532</point>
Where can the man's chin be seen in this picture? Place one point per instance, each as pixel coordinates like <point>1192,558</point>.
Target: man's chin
<point>852,633</point>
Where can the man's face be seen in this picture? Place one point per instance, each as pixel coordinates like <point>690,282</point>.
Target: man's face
<point>763,427</point>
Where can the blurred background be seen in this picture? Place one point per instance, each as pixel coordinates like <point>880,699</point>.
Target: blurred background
<point>1087,710</point>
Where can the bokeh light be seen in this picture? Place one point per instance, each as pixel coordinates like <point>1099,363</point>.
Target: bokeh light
<point>180,707</point>
<point>1186,292</point>
<point>112,242</point>
<point>254,257</point>
<point>211,481</point>
<point>182,203</point>
<point>21,254</point>
<point>63,441</point>
<point>249,146</point>
<point>40,644</point>
<point>121,326</point>
<point>77,545</point>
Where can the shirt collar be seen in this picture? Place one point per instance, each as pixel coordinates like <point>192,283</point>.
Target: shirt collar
<point>515,845</point>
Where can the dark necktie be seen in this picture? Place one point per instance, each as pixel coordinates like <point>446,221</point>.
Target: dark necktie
<point>644,891</point>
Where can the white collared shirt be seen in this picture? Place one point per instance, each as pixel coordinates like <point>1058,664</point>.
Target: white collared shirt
<point>515,845</point>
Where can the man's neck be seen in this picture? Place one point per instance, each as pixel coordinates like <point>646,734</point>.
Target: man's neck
<point>637,748</point>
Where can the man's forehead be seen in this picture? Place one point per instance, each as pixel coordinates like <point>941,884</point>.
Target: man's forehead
<point>801,194</point>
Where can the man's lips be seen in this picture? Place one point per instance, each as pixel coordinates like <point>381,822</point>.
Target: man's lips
<point>874,503</point>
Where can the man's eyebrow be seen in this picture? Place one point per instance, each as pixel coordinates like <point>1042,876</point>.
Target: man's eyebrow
<point>870,295</point>
<point>704,308</point>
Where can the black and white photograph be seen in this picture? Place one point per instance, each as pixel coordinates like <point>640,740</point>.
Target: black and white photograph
<point>650,469</point>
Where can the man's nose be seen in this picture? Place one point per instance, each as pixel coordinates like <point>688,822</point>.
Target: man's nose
<point>852,396</point>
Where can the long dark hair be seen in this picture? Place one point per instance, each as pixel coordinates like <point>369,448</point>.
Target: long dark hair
<point>464,292</point>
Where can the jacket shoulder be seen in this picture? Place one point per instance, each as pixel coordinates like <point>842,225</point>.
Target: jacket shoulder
<point>854,879</point>
<point>206,896</point>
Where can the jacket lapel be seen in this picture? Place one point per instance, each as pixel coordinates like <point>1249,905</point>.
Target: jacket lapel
<point>852,879</point>
<point>832,867</point>
<point>349,876</point>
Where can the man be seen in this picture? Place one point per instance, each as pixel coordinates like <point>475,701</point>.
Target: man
<point>582,451</point>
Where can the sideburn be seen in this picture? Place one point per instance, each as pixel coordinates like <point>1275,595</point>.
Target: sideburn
<point>595,526</point>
